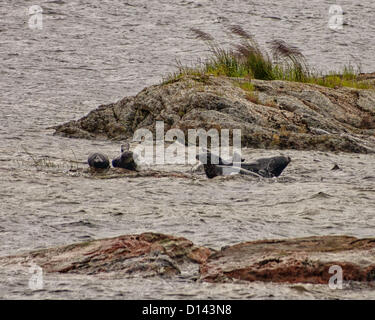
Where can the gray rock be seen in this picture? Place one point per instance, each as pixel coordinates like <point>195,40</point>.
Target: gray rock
<point>276,115</point>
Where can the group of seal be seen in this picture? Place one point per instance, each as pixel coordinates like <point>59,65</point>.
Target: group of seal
<point>264,167</point>
<point>213,165</point>
<point>126,160</point>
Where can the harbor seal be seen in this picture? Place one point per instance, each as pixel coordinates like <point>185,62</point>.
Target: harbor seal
<point>125,160</point>
<point>263,167</point>
<point>215,166</point>
<point>268,167</point>
<point>98,161</point>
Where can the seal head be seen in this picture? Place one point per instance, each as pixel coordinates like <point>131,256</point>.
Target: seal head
<point>126,160</point>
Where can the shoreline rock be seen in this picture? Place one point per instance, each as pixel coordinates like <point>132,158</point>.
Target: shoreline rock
<point>299,260</point>
<point>148,254</point>
<point>302,260</point>
<point>275,115</point>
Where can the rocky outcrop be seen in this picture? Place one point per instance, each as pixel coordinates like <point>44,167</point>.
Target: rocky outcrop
<point>303,260</point>
<point>148,254</point>
<point>270,114</point>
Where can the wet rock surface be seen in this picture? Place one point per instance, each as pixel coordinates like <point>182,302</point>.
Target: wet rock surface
<point>117,173</point>
<point>276,114</point>
<point>147,254</point>
<point>300,260</point>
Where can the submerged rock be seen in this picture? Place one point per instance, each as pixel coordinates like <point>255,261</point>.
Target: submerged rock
<point>276,114</point>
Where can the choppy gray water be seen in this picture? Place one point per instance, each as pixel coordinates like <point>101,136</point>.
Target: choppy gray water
<point>94,52</point>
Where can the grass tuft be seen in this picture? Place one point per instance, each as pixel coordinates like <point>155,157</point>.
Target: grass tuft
<point>247,59</point>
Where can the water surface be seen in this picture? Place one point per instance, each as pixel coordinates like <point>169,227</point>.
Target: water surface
<point>95,52</point>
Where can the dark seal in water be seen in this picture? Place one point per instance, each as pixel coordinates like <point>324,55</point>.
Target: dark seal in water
<point>264,167</point>
<point>268,167</point>
<point>212,164</point>
<point>125,160</point>
<point>98,161</point>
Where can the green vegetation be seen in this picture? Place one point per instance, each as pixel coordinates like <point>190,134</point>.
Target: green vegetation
<point>248,60</point>
<point>247,86</point>
<point>348,78</point>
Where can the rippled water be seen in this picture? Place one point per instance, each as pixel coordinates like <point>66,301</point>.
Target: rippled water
<point>95,52</point>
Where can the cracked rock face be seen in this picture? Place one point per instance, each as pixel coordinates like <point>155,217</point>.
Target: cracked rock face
<point>276,114</point>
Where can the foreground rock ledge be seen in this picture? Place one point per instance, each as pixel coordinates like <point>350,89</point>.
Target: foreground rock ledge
<point>276,114</point>
<point>302,260</point>
<point>147,254</point>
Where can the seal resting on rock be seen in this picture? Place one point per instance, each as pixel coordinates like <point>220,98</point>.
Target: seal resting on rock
<point>264,167</point>
<point>125,160</point>
<point>98,161</point>
<point>268,167</point>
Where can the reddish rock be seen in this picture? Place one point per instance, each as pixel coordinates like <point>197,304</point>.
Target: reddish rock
<point>303,260</point>
<point>147,254</point>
